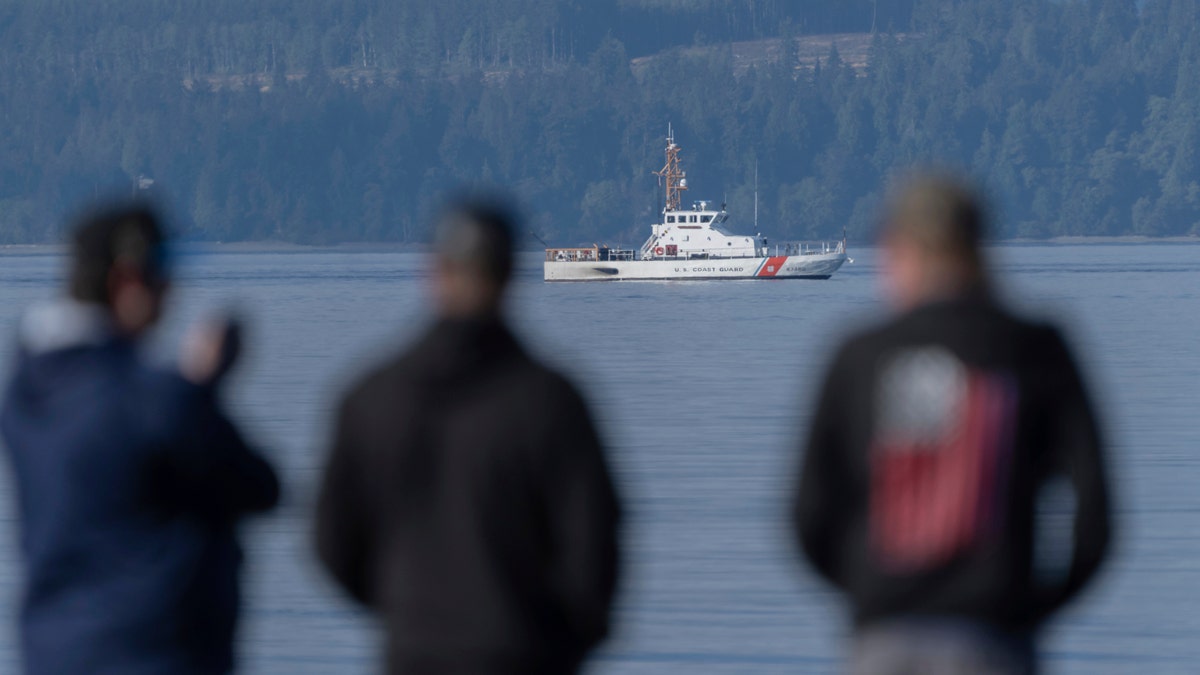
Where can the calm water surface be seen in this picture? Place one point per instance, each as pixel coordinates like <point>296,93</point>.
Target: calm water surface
<point>702,388</point>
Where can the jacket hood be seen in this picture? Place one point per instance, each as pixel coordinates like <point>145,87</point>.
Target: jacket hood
<point>51,340</point>
<point>63,324</point>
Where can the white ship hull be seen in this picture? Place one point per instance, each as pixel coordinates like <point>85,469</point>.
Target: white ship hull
<point>806,266</point>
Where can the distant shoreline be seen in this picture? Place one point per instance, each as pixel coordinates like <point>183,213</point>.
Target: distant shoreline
<point>192,247</point>
<point>1099,239</point>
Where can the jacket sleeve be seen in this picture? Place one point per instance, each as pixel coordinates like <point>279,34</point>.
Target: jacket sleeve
<point>819,507</point>
<point>584,519</point>
<point>344,538</point>
<point>211,470</point>
<point>1077,451</point>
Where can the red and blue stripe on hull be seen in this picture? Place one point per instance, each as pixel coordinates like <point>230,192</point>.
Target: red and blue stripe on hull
<point>771,266</point>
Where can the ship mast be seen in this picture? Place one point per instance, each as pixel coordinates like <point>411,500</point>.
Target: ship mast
<point>676,177</point>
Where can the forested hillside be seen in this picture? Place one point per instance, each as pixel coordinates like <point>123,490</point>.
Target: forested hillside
<point>326,122</point>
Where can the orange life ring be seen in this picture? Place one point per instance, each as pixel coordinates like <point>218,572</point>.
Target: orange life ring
<point>658,250</point>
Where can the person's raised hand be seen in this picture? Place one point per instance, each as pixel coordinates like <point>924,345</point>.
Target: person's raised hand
<point>210,350</point>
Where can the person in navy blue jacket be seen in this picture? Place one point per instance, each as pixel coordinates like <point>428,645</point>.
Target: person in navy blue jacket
<point>130,479</point>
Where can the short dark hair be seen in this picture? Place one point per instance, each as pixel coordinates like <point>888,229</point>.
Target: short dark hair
<point>478,234</point>
<point>129,234</point>
<point>940,213</point>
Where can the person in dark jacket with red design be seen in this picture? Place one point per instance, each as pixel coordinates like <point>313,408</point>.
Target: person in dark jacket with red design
<point>130,479</point>
<point>938,438</point>
<point>467,501</point>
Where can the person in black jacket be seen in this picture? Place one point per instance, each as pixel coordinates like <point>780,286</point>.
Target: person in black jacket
<point>937,440</point>
<point>130,479</point>
<point>467,501</point>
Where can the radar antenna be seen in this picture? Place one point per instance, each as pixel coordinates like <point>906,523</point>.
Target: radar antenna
<point>676,178</point>
<point>535,236</point>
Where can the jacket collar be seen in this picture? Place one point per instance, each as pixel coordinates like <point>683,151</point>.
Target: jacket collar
<point>454,346</point>
<point>978,295</point>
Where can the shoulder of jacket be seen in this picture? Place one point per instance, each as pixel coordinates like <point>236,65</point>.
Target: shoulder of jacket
<point>392,374</point>
<point>549,377</point>
<point>161,402</point>
<point>1035,334</point>
<point>865,341</point>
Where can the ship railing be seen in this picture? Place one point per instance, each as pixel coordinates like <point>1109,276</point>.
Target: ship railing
<point>588,254</point>
<point>573,254</point>
<point>711,254</point>
<point>808,248</point>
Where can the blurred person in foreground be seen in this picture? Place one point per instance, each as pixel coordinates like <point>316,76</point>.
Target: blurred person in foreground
<point>467,501</point>
<point>935,437</point>
<point>130,479</point>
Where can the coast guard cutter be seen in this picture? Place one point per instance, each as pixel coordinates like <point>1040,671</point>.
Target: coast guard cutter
<point>694,244</point>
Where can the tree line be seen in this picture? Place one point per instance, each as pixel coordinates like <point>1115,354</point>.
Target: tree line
<point>320,123</point>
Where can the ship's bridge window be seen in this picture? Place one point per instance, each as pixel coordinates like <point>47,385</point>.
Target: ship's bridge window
<point>706,219</point>
<point>670,219</point>
<point>693,219</point>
